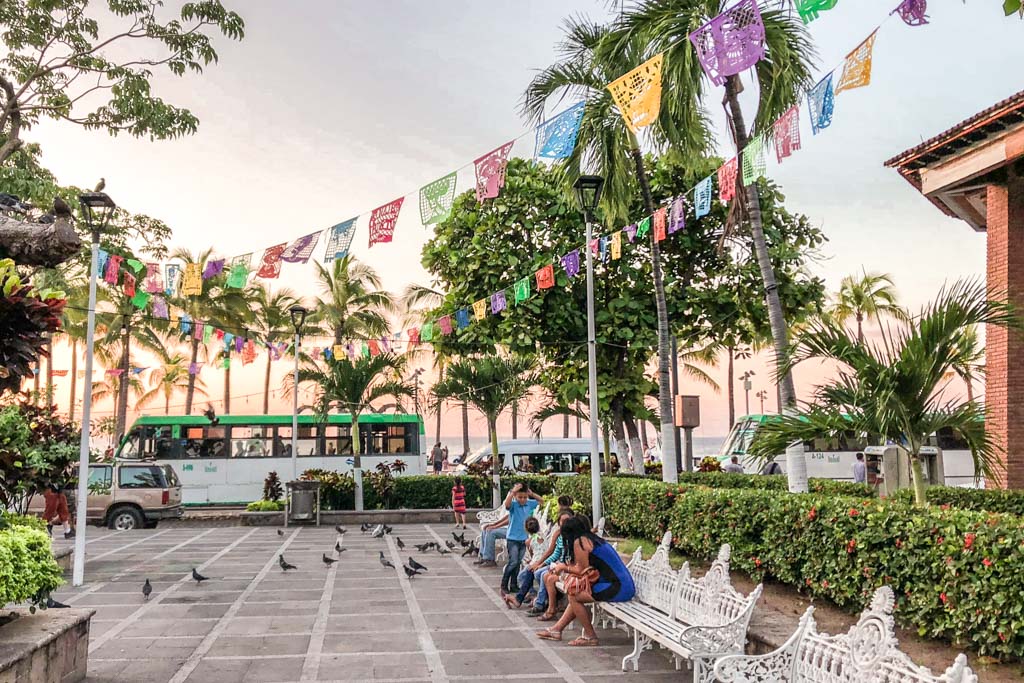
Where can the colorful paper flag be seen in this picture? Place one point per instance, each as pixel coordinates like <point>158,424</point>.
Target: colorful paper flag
<point>414,337</point>
<point>659,224</point>
<point>192,281</point>
<point>248,352</point>
<point>339,239</point>
<point>616,245</point>
<point>630,231</point>
<point>374,347</point>
<point>821,104</point>
<point>338,350</point>
<point>637,94</point>
<point>913,12</point>
<point>238,275</point>
<point>113,268</point>
<point>857,68</point>
<point>603,248</point>
<point>677,215</point>
<point>521,290</point>
<point>498,302</point>
<point>480,309</point>
<point>754,165</point>
<point>702,197</point>
<point>436,199</point>
<point>213,268</point>
<point>239,343</point>
<point>194,368</point>
<point>731,42</point>
<point>546,277</point>
<point>243,259</point>
<point>427,332</point>
<point>270,264</point>
<point>556,137</point>
<point>571,263</point>
<point>153,283</point>
<point>160,307</point>
<point>809,9</point>
<point>134,264</point>
<point>382,221</point>
<point>186,323</point>
<point>172,273</point>
<point>102,257</point>
<point>727,179</point>
<point>129,285</point>
<point>462,318</point>
<point>445,324</point>
<point>141,299</point>
<point>786,131</point>
<point>226,363</point>
<point>207,333</point>
<point>301,249</point>
<point>643,227</point>
<point>490,172</point>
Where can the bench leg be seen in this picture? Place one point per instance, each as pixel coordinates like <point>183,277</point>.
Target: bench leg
<point>640,643</point>
<point>703,670</point>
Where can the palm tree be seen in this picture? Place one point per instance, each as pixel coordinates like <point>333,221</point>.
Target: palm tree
<point>491,384</point>
<point>587,64</point>
<point>353,305</point>
<point>271,323</point>
<point>782,75</point>
<point>871,295</point>
<point>970,363</point>
<point>896,389</point>
<point>168,378</point>
<point>343,385</point>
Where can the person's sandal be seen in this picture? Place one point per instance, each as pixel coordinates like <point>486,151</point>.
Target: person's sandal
<point>548,616</point>
<point>549,634</point>
<point>512,603</point>
<point>584,641</point>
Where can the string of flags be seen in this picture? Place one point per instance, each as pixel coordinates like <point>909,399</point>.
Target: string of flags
<point>726,45</point>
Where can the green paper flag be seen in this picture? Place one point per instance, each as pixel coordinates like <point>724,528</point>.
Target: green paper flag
<point>140,299</point>
<point>207,333</point>
<point>238,275</point>
<point>754,165</point>
<point>522,290</point>
<point>365,350</point>
<point>135,265</point>
<point>427,332</point>
<point>643,227</point>
<point>227,363</point>
<point>436,199</point>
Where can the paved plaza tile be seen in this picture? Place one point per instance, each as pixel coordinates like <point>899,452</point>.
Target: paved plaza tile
<point>354,620</point>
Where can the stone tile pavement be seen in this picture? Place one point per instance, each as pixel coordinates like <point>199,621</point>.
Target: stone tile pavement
<point>353,621</point>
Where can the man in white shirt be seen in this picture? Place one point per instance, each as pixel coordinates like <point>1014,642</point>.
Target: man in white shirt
<point>733,466</point>
<point>860,470</point>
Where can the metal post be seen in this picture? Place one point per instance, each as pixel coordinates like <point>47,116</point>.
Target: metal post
<point>295,412</point>
<point>746,394</point>
<point>595,458</point>
<point>688,433</point>
<point>82,500</point>
<point>675,392</point>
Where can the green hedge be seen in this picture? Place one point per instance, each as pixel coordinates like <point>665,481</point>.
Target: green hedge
<point>27,568</point>
<point>981,500</point>
<point>773,482</point>
<point>956,574</point>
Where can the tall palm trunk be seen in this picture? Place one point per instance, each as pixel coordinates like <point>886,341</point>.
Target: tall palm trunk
<point>732,390</point>
<point>860,327</point>
<point>636,449</point>
<point>227,389</point>
<point>49,371</point>
<point>266,387</point>
<point>190,390</point>
<point>665,407</point>
<point>579,423</point>
<point>643,436</point>
<point>515,419</point>
<point>167,403</point>
<point>437,433</point>
<point>465,429</point>
<point>74,380</point>
<point>970,390</point>
<point>123,381</point>
<point>796,463</point>
<point>618,429</point>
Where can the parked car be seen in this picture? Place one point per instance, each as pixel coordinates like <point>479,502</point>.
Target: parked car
<point>557,456</point>
<point>129,495</point>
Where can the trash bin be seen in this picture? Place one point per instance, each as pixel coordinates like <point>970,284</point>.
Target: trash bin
<point>303,501</point>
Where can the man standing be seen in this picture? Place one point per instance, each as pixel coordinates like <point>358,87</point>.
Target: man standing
<point>437,457</point>
<point>733,466</point>
<point>860,470</point>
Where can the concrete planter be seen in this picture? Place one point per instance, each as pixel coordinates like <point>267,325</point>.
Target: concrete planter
<point>332,517</point>
<point>50,646</point>
<point>63,558</point>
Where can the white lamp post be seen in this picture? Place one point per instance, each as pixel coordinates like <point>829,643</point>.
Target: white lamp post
<point>588,193</point>
<point>298,314</point>
<point>97,208</point>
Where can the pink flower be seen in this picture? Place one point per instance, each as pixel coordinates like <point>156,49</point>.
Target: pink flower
<point>942,597</point>
<point>987,562</point>
<point>968,541</point>
<point>854,512</point>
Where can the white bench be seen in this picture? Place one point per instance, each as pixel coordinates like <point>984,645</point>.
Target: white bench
<point>698,620</point>
<point>867,652</point>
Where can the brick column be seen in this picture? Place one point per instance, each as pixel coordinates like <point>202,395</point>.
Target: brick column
<point>1004,355</point>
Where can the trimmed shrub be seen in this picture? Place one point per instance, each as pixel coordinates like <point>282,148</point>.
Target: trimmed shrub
<point>28,571</point>
<point>955,573</point>
<point>981,500</point>
<point>265,506</point>
<point>774,482</point>
<point>337,489</point>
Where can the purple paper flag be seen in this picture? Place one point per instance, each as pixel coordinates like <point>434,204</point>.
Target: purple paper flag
<point>498,302</point>
<point>239,343</point>
<point>677,215</point>
<point>571,263</point>
<point>912,12</point>
<point>213,268</point>
<point>193,368</point>
<point>731,42</point>
<point>301,249</point>
<point>160,308</point>
<point>630,231</point>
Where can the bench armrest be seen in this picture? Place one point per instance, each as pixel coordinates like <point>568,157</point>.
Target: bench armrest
<point>774,666</point>
<point>715,639</point>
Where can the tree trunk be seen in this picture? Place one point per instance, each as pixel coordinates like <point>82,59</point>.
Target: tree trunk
<point>795,460</point>
<point>732,389</point>
<point>167,404</point>
<point>917,475</point>
<point>492,427</point>
<point>579,423</point>
<point>565,426</point>
<point>860,327</point>
<point>35,381</point>
<point>665,407</point>
<point>465,429</point>
<point>36,244</point>
<point>227,388</point>
<point>970,389</point>
<point>190,390</point>
<point>49,371</point>
<point>621,445</point>
<point>74,379</point>
<point>266,387</point>
<point>124,380</point>
<point>643,436</point>
<point>606,466</point>
<point>515,419</point>
<point>437,433</point>
<point>636,450</point>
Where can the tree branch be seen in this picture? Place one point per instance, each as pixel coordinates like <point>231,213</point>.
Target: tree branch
<point>35,244</point>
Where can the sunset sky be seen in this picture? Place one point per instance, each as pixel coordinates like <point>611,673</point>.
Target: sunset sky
<point>329,109</point>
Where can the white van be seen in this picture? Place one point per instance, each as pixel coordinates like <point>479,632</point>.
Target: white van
<point>557,456</point>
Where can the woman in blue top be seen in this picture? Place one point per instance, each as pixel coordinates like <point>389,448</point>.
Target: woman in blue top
<point>585,551</point>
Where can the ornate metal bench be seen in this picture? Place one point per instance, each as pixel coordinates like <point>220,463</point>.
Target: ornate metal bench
<point>867,652</point>
<point>486,517</point>
<point>698,620</point>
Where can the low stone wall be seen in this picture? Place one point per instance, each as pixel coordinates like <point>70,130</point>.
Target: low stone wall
<point>63,558</point>
<point>332,517</point>
<point>50,646</point>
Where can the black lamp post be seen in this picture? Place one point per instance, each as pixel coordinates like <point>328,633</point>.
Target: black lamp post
<point>298,314</point>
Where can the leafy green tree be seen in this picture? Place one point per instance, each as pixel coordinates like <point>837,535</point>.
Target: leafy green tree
<point>351,386</point>
<point>352,303</point>
<point>970,360</point>
<point>91,63</point>
<point>895,389</point>
<point>491,384</point>
<point>869,296</point>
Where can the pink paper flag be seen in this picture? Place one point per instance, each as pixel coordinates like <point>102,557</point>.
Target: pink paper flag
<point>787,133</point>
<point>129,285</point>
<point>374,347</point>
<point>113,268</point>
<point>727,180</point>
<point>490,172</point>
<point>414,337</point>
<point>154,283</point>
<point>270,266</point>
<point>445,323</point>
<point>659,224</point>
<point>382,221</point>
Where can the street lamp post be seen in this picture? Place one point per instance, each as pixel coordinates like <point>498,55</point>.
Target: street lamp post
<point>588,193</point>
<point>298,314</point>
<point>104,207</point>
<point>762,395</point>
<point>747,386</point>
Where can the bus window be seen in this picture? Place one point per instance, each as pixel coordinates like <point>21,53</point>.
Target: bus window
<point>375,438</point>
<point>130,447</point>
<point>339,439</point>
<point>206,442</point>
<point>251,442</point>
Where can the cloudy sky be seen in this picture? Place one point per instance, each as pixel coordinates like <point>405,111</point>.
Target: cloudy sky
<point>328,109</point>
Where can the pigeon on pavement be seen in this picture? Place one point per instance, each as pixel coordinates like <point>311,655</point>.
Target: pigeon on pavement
<point>468,550</point>
<point>280,533</point>
<point>422,547</point>
<point>329,560</point>
<point>284,565</point>
<point>410,572</point>
<point>337,547</point>
<point>341,530</point>
<point>53,604</point>
<point>451,546</point>
<point>147,588</point>
<point>364,527</point>
<point>385,562</point>
<point>387,529</point>
<point>416,565</point>
<point>398,542</point>
<point>443,551</point>
<point>378,532</point>
<point>197,576</point>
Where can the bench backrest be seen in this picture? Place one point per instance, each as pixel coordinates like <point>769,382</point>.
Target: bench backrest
<point>711,600</point>
<point>868,651</point>
<point>655,580</point>
<point>491,516</point>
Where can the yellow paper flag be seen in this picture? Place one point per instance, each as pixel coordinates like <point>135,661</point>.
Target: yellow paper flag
<point>192,283</point>
<point>638,94</point>
<point>857,69</point>
<point>480,309</point>
<point>616,245</point>
<point>338,351</point>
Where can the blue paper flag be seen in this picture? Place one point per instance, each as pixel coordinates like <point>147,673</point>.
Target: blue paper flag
<point>702,197</point>
<point>556,137</point>
<point>102,262</point>
<point>339,239</point>
<point>820,104</point>
<point>462,318</point>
